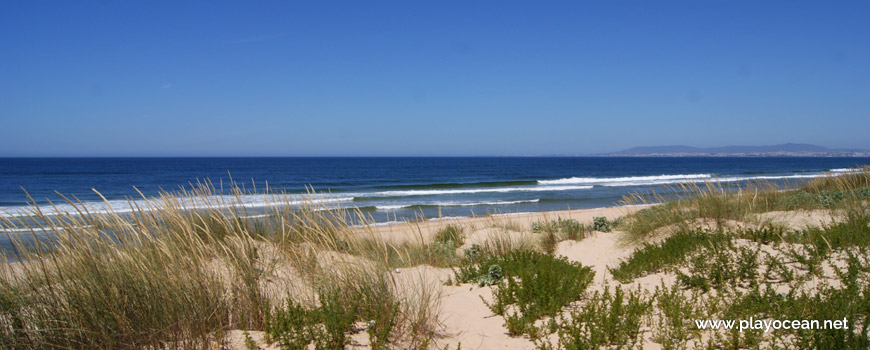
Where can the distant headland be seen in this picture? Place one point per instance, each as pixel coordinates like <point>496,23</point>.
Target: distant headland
<point>782,150</point>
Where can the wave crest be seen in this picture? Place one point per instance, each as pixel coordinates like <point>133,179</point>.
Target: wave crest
<point>627,180</point>
<point>454,204</point>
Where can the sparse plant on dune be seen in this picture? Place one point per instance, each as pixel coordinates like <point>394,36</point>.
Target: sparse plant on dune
<point>682,205</point>
<point>181,269</point>
<point>600,223</point>
<point>603,320</point>
<point>534,284</point>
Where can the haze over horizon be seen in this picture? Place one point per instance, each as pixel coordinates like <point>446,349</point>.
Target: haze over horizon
<point>637,150</point>
<point>398,78</point>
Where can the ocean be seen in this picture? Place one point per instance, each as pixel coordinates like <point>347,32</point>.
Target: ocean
<point>394,189</point>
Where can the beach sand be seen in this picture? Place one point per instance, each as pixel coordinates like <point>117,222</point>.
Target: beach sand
<point>464,318</point>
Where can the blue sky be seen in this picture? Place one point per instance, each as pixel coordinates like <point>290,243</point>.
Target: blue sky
<point>124,78</point>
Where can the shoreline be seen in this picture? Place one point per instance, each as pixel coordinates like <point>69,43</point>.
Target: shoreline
<point>424,229</point>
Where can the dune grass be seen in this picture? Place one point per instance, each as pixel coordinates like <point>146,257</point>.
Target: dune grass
<point>766,272</point>
<point>681,207</point>
<point>554,231</point>
<point>181,269</point>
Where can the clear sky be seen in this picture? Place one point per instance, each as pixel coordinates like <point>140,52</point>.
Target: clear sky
<point>257,78</point>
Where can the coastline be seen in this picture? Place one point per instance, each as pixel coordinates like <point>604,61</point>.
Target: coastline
<point>434,277</point>
<point>401,231</point>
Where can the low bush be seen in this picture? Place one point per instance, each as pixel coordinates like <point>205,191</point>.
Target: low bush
<point>554,231</point>
<point>327,325</point>
<point>600,223</point>
<point>568,228</point>
<point>652,258</point>
<point>533,285</point>
<point>572,229</point>
<point>673,325</point>
<point>721,264</point>
<point>606,319</point>
<point>451,235</point>
<point>294,328</point>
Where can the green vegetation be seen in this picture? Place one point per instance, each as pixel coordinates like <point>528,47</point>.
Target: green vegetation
<point>554,231</point>
<point>532,285</point>
<point>451,235</point>
<point>605,319</point>
<point>569,228</point>
<point>688,204</point>
<point>600,223</point>
<point>166,276</point>
<point>672,326</point>
<point>328,325</point>
<point>721,264</point>
<point>652,258</point>
<point>106,283</point>
<point>763,272</point>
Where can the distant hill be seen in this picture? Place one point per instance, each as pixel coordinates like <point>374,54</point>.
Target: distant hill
<point>786,149</point>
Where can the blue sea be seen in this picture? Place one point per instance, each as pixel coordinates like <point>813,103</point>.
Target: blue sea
<point>394,189</point>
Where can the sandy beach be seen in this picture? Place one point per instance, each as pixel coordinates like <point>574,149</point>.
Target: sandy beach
<point>465,320</point>
<point>638,275</point>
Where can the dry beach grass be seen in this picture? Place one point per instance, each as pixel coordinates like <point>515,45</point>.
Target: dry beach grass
<point>166,275</point>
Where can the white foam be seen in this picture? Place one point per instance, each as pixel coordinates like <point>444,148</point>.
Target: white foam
<point>41,229</point>
<point>444,218</point>
<point>514,214</point>
<point>456,204</point>
<point>407,193</point>
<point>769,177</point>
<point>452,204</point>
<point>391,207</point>
<point>627,179</point>
<point>384,223</point>
<point>120,206</point>
<point>640,205</point>
<point>255,216</point>
<point>676,179</point>
<point>35,229</point>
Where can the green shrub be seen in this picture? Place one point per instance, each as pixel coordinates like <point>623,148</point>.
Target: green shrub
<point>570,228</point>
<point>452,234</point>
<point>442,251</point>
<point>606,319</point>
<point>721,263</point>
<point>776,270</point>
<point>767,234</point>
<point>548,242</point>
<point>554,231</point>
<point>342,303</point>
<point>652,258</point>
<point>493,276</point>
<point>473,253</point>
<point>814,245</point>
<point>545,226</point>
<point>294,327</point>
<point>850,301</point>
<point>536,284</point>
<point>674,325</point>
<point>290,327</point>
<point>600,223</point>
